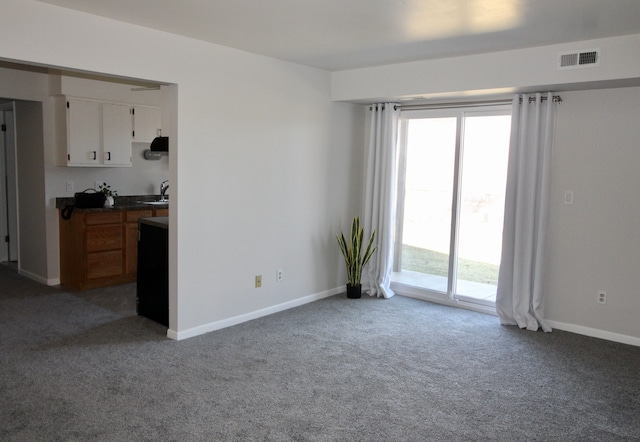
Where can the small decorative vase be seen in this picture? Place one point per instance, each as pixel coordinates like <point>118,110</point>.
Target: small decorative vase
<point>354,291</point>
<point>108,201</point>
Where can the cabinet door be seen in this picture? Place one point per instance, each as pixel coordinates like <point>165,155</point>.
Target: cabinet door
<point>83,133</point>
<point>146,123</point>
<point>116,134</point>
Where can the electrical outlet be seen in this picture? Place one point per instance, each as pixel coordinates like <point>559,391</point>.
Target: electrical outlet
<point>69,186</point>
<point>602,297</point>
<point>258,281</point>
<point>279,275</point>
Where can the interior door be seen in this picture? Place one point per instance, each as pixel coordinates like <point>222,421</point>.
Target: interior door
<point>8,188</point>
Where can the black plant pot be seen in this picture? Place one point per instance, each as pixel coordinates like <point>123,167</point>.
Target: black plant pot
<point>354,291</point>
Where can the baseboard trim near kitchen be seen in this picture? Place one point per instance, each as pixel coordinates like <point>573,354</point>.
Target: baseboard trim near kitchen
<point>217,325</point>
<point>38,278</point>
<point>596,333</point>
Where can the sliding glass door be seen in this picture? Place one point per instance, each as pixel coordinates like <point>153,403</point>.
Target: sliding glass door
<point>451,200</point>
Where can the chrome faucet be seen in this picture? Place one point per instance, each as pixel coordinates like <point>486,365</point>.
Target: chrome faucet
<point>164,186</point>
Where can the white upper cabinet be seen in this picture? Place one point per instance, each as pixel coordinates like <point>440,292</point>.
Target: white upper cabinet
<point>146,123</point>
<point>83,133</point>
<point>98,133</point>
<point>116,134</point>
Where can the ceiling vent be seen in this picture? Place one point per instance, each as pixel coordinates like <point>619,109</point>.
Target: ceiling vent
<point>582,59</point>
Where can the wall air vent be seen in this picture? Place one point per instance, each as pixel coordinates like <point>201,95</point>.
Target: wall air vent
<point>579,59</point>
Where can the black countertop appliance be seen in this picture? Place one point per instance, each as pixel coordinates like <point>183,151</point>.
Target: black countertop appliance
<point>153,269</point>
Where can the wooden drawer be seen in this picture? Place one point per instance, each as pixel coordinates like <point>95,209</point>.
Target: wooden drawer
<point>161,212</point>
<point>104,264</point>
<point>104,237</point>
<point>132,216</point>
<point>103,218</point>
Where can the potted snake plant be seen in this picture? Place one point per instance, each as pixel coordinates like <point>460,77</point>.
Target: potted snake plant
<point>353,257</point>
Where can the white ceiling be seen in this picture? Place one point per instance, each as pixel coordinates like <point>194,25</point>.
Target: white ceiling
<point>345,34</point>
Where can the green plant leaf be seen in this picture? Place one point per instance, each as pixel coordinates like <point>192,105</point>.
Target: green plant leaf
<point>352,251</point>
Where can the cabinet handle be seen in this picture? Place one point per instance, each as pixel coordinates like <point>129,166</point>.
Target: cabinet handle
<point>95,155</point>
<point>108,156</point>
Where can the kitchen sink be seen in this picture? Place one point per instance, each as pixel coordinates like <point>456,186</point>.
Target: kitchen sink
<point>156,203</point>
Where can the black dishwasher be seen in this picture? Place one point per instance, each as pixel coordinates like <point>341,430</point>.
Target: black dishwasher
<point>153,269</point>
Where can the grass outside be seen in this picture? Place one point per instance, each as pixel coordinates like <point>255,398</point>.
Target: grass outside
<point>435,263</point>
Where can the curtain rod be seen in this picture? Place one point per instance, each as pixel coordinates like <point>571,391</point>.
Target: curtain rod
<point>555,99</point>
<point>450,105</point>
<point>425,106</point>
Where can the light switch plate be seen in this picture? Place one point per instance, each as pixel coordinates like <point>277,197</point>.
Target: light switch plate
<point>568,196</point>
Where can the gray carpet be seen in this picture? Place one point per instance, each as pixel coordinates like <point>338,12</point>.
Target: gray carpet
<point>82,367</point>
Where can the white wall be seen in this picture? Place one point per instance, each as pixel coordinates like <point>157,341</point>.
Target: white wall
<point>31,185</point>
<point>265,170</point>
<point>267,177</point>
<point>32,87</point>
<point>530,69</point>
<point>594,244</point>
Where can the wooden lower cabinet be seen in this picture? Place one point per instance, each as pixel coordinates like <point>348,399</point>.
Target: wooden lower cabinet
<point>99,249</point>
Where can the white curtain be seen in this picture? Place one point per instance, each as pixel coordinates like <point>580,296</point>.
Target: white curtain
<point>380,195</point>
<point>519,299</point>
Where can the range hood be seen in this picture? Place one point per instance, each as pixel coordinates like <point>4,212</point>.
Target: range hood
<point>159,147</point>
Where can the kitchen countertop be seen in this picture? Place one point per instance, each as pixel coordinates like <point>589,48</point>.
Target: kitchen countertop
<point>157,221</point>
<point>130,202</point>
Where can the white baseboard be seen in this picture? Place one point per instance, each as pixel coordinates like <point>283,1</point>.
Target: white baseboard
<point>410,292</point>
<point>217,325</point>
<point>596,333</point>
<point>224,323</point>
<point>38,278</point>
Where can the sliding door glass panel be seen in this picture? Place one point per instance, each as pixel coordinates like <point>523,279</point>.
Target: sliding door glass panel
<point>428,196</point>
<point>482,191</point>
